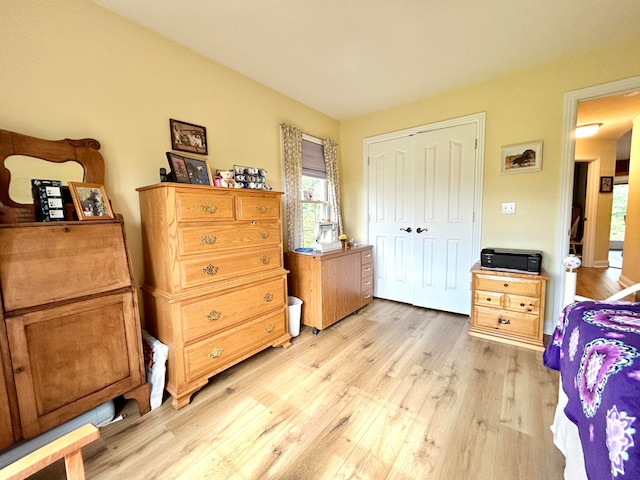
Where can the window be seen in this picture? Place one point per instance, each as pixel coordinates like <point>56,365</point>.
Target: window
<point>315,198</point>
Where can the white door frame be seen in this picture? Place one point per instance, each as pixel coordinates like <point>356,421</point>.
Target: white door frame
<point>478,119</point>
<point>571,100</point>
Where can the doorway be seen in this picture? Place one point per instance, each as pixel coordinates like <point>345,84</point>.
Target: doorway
<point>567,170</point>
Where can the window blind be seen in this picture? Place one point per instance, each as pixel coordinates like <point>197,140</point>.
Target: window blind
<point>313,160</point>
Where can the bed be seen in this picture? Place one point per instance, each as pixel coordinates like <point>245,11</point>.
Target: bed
<point>596,348</point>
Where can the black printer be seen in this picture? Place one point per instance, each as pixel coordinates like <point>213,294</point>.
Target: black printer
<point>525,261</point>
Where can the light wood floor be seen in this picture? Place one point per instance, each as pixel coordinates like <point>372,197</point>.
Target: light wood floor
<point>393,392</point>
<point>599,283</point>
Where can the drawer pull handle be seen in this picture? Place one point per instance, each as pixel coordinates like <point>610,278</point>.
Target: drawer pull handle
<point>264,235</point>
<point>367,255</point>
<point>213,315</point>
<point>268,297</point>
<point>367,269</point>
<point>269,328</point>
<point>488,299</point>
<point>522,304</point>
<point>215,353</point>
<point>208,239</point>
<point>264,260</point>
<point>368,283</point>
<point>504,321</point>
<point>367,296</point>
<point>66,229</point>
<point>506,285</point>
<point>210,270</point>
<point>209,208</point>
<point>261,209</point>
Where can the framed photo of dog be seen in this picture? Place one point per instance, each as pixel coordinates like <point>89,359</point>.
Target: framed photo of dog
<point>522,158</point>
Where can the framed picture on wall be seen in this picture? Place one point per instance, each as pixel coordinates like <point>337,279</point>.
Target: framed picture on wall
<point>187,137</point>
<point>525,157</point>
<point>606,184</point>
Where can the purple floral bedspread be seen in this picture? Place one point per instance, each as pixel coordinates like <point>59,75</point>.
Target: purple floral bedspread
<point>596,348</point>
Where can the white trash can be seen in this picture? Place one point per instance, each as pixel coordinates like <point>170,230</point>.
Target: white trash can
<point>295,309</point>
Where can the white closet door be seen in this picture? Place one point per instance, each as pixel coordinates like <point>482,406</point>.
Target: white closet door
<point>391,165</point>
<point>443,218</point>
<point>424,183</point>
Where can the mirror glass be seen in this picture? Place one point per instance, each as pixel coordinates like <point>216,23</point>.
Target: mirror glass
<point>24,168</point>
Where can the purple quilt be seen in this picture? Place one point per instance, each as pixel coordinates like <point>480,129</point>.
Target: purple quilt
<point>596,348</point>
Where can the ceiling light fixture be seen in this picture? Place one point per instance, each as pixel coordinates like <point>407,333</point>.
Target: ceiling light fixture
<point>588,130</point>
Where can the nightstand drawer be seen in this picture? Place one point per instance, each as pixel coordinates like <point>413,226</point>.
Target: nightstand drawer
<point>509,323</point>
<point>518,303</point>
<point>508,285</point>
<point>488,299</point>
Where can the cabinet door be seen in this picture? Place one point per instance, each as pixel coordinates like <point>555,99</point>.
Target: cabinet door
<point>6,429</point>
<point>72,358</point>
<point>341,287</point>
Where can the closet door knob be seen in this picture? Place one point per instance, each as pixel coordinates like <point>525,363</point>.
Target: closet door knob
<point>420,230</point>
<point>408,230</point>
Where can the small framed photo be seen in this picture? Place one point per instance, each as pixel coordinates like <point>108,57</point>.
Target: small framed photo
<point>525,157</point>
<point>187,137</point>
<point>178,168</point>
<point>606,184</point>
<point>90,201</point>
<point>197,171</point>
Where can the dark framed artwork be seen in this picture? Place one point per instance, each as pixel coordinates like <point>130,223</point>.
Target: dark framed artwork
<point>178,168</point>
<point>90,201</point>
<point>606,184</point>
<point>187,137</point>
<point>197,170</point>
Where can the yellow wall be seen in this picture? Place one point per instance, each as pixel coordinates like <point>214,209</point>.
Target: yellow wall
<point>605,150</point>
<point>631,256</point>
<point>73,69</point>
<point>520,107</point>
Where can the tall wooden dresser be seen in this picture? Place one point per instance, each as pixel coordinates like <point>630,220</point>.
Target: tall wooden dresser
<point>70,335</point>
<point>331,285</point>
<point>215,288</point>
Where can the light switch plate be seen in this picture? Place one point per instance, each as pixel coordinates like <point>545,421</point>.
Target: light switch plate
<point>509,207</point>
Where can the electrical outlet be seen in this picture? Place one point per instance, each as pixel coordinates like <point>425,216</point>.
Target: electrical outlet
<point>509,207</point>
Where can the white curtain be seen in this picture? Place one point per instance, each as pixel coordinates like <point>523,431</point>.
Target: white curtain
<point>331,164</point>
<point>292,152</point>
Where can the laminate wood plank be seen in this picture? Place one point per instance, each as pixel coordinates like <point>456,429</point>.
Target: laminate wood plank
<point>393,392</point>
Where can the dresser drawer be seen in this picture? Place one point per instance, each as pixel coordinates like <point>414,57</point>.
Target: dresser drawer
<point>211,238</point>
<point>83,259</point>
<point>258,207</point>
<point>367,270</point>
<point>212,268</point>
<point>367,283</point>
<point>509,323</point>
<point>214,354</point>
<point>518,303</point>
<point>488,299</point>
<point>206,316</point>
<point>508,285</point>
<point>206,207</point>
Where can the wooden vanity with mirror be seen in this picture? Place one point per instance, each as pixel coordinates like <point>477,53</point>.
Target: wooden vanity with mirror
<point>70,335</point>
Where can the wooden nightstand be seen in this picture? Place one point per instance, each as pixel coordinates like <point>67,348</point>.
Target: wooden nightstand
<point>508,307</point>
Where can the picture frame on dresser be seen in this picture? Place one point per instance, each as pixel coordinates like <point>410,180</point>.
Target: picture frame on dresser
<point>197,171</point>
<point>179,172</point>
<point>91,201</point>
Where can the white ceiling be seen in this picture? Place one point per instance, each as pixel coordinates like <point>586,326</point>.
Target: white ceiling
<point>346,58</point>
